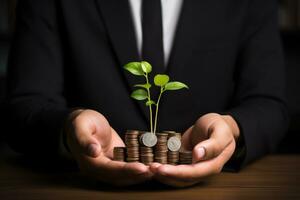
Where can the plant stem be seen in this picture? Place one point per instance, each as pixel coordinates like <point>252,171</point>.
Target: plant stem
<point>157,107</point>
<point>150,106</point>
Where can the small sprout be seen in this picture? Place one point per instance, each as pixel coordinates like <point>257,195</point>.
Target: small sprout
<point>149,103</point>
<point>139,94</point>
<point>175,86</point>
<point>134,68</point>
<point>146,85</point>
<point>146,67</point>
<point>160,80</point>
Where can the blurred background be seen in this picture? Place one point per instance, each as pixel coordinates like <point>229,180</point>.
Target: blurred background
<point>289,18</point>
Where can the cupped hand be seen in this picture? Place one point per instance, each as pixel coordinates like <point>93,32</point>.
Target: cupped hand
<point>212,140</point>
<point>91,141</point>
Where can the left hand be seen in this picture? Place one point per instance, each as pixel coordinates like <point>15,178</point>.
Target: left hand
<point>212,140</point>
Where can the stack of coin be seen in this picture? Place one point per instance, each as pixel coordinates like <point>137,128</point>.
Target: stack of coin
<point>132,145</point>
<point>173,134</point>
<point>146,155</point>
<point>185,157</point>
<point>161,148</point>
<point>174,144</point>
<point>173,157</point>
<point>119,153</point>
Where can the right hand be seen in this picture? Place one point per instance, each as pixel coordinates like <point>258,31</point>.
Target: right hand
<point>91,141</point>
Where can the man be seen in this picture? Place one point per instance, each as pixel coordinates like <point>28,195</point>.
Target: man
<point>66,82</point>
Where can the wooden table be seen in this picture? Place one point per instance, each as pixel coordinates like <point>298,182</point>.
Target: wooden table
<point>273,177</point>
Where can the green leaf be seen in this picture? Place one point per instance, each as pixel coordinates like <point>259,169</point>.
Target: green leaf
<point>146,67</point>
<point>150,102</point>
<point>146,85</point>
<point>175,86</point>
<point>161,80</point>
<point>135,68</point>
<point>139,94</point>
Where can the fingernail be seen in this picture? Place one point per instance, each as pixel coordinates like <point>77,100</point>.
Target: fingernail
<point>92,149</point>
<point>201,152</point>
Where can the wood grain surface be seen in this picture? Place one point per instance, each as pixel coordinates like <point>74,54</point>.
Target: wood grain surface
<point>272,177</point>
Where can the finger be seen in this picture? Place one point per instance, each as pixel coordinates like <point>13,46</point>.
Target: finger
<point>118,173</point>
<point>197,171</point>
<point>134,173</point>
<point>186,173</point>
<point>91,133</point>
<point>86,143</point>
<point>154,166</point>
<point>212,147</point>
<point>126,173</point>
<point>160,176</point>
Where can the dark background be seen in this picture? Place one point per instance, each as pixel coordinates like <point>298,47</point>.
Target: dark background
<point>289,17</point>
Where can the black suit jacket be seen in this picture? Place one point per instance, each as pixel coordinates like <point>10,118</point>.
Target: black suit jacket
<point>70,53</point>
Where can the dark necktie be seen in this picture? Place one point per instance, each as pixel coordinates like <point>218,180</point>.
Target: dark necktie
<point>152,35</point>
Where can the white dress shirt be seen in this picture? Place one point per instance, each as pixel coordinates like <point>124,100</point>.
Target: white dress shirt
<point>170,15</point>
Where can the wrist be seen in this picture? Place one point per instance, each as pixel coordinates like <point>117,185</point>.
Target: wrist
<point>233,126</point>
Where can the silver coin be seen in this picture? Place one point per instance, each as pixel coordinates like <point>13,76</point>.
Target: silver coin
<point>149,139</point>
<point>174,143</point>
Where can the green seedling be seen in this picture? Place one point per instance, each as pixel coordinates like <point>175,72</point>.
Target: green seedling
<point>143,93</point>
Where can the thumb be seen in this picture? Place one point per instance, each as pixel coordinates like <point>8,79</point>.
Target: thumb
<point>210,148</point>
<point>92,149</point>
<point>206,149</point>
<point>87,143</point>
<point>88,133</point>
<point>220,136</point>
<point>83,140</point>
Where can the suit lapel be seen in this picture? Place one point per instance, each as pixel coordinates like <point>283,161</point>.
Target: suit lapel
<point>194,27</point>
<point>118,21</point>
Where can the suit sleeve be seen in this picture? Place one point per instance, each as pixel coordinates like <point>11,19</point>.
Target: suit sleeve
<point>259,104</point>
<point>36,105</point>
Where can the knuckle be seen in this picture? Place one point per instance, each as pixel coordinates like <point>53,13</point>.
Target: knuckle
<point>217,147</point>
<point>79,119</point>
